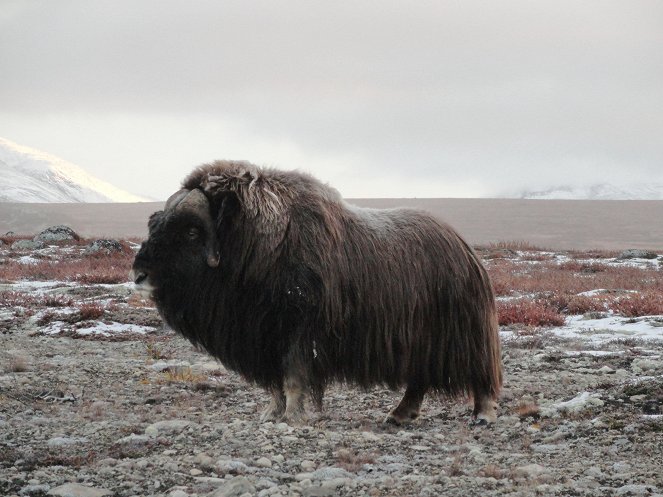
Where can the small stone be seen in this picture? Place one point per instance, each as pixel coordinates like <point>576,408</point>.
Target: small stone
<point>195,472</point>
<point>263,462</point>
<point>203,460</point>
<point>77,490</point>
<point>134,439</point>
<point>328,473</point>
<point>224,467</point>
<point>235,488</point>
<point>530,471</point>
<point>178,493</point>
<point>64,441</point>
<point>319,491</point>
<point>34,489</point>
<point>170,426</point>
<point>635,490</point>
<point>307,465</point>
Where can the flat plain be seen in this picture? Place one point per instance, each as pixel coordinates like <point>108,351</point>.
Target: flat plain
<point>557,224</point>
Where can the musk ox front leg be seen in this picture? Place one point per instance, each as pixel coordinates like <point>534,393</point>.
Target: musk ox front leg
<point>276,407</point>
<point>288,402</point>
<point>409,407</point>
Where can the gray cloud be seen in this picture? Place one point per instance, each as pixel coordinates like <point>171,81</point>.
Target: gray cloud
<point>417,99</point>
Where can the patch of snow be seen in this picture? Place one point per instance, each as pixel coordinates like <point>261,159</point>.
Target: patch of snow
<point>107,329</point>
<point>594,353</point>
<point>593,293</point>
<point>609,328</point>
<point>27,259</point>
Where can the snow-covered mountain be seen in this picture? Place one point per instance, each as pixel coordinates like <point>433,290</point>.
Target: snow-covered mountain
<point>599,191</point>
<point>28,175</point>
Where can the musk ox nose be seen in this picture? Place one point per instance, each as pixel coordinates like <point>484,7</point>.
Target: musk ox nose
<point>137,276</point>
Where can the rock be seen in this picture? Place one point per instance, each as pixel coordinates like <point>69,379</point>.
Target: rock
<point>169,426</point>
<point>57,234</point>
<point>77,490</point>
<point>103,246</point>
<point>234,488</point>
<point>635,490</point>
<point>233,467</point>
<point>34,489</point>
<point>530,471</point>
<point>320,491</point>
<point>65,441</point>
<point>134,439</point>
<point>27,245</point>
<point>328,473</point>
<point>639,365</point>
<point>636,254</point>
<point>263,462</point>
<point>178,493</point>
<point>203,460</point>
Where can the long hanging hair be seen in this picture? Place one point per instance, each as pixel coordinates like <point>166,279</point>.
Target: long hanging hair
<point>364,296</point>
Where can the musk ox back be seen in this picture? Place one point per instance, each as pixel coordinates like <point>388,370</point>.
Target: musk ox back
<point>284,282</point>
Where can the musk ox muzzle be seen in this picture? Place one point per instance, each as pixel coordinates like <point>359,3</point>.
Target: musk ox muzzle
<point>275,275</point>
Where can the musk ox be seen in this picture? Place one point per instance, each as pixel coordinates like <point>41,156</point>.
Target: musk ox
<point>285,283</point>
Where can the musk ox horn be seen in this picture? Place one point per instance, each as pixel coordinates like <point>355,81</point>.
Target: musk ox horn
<point>195,202</point>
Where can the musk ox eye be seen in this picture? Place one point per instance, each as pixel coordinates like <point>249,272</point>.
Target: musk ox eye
<point>193,233</point>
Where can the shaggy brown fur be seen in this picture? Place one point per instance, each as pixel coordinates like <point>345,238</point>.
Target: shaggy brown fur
<point>310,290</point>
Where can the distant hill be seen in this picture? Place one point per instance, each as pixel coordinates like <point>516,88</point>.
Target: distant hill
<point>28,175</point>
<point>599,191</point>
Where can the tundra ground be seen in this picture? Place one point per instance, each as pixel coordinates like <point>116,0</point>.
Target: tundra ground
<point>97,397</point>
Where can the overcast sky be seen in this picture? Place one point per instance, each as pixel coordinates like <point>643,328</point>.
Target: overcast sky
<point>382,98</point>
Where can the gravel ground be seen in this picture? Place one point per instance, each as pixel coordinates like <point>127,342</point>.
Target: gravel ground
<point>123,407</point>
<point>149,415</point>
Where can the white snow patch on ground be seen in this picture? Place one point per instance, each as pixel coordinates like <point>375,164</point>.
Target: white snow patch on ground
<point>107,329</point>
<point>593,353</point>
<point>27,259</point>
<point>611,328</point>
<point>97,328</point>
<point>36,286</point>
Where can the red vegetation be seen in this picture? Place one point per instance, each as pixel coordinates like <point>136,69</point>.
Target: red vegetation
<point>638,304</point>
<point>528,312</point>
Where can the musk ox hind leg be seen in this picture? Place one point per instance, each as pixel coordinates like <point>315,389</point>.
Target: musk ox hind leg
<point>295,393</point>
<point>409,407</point>
<point>276,407</point>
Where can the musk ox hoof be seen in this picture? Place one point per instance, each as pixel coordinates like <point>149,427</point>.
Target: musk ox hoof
<point>270,415</point>
<point>398,419</point>
<point>485,413</point>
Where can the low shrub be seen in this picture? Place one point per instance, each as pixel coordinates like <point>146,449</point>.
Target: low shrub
<point>528,312</point>
<point>638,304</point>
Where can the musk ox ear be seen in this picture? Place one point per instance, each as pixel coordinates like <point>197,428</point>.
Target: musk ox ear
<point>196,203</point>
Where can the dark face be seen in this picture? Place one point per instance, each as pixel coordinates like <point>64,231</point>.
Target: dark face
<point>173,257</point>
